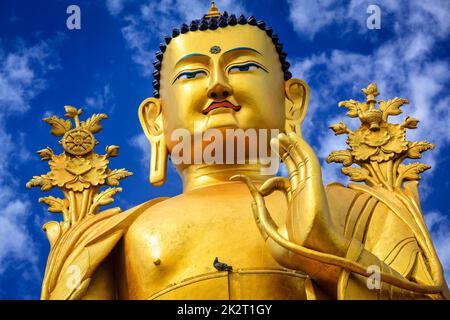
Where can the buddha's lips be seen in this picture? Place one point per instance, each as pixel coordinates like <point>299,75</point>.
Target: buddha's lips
<point>221,104</point>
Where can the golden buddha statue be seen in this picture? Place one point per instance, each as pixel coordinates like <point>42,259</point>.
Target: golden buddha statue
<point>229,235</point>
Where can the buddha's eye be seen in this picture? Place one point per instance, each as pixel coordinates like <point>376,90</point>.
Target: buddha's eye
<point>244,67</point>
<point>191,75</point>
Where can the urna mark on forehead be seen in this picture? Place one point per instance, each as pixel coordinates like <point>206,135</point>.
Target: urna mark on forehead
<point>215,26</point>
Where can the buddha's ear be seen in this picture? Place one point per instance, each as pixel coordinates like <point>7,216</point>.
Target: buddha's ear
<point>296,103</point>
<point>151,120</point>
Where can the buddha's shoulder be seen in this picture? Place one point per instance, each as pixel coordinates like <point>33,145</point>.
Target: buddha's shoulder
<point>165,206</point>
<point>161,212</point>
<point>134,213</point>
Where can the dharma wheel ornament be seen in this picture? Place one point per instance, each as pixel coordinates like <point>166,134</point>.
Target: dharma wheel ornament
<point>78,142</point>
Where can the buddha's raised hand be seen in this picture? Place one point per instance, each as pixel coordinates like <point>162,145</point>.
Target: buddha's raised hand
<point>308,222</point>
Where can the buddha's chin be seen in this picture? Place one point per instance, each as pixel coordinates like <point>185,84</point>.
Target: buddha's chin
<point>221,119</point>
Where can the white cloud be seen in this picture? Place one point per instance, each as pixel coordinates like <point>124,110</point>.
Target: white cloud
<point>16,243</point>
<point>101,100</point>
<point>22,74</point>
<point>150,21</point>
<point>309,17</point>
<point>137,38</point>
<point>114,6</point>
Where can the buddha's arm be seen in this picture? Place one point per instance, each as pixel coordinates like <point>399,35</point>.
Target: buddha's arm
<point>358,275</point>
<point>310,241</point>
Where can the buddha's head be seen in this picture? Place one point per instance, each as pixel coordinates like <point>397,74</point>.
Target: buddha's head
<point>219,72</point>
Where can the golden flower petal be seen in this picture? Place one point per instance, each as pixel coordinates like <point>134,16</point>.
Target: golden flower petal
<point>78,166</point>
<point>363,151</point>
<point>397,131</point>
<point>58,173</point>
<point>97,174</point>
<point>398,142</point>
<point>357,138</point>
<point>377,138</point>
<point>396,146</point>
<point>77,185</point>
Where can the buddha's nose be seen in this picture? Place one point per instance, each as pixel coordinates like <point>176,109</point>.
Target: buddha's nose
<point>220,90</point>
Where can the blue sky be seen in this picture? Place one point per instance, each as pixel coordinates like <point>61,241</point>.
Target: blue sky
<point>106,67</point>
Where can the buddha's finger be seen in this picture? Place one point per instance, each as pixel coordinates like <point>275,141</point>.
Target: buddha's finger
<point>276,184</point>
<point>289,146</point>
<point>261,214</point>
<point>261,228</point>
<point>292,169</point>
<point>251,187</point>
<point>307,154</point>
<point>294,172</point>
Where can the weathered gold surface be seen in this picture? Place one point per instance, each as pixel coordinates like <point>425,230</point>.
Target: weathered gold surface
<point>305,242</point>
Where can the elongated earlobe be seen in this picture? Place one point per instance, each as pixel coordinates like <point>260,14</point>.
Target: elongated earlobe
<point>152,124</point>
<point>296,104</point>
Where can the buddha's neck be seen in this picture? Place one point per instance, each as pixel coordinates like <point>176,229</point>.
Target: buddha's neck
<point>203,175</point>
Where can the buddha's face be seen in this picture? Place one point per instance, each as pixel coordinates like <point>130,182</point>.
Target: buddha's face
<point>227,78</point>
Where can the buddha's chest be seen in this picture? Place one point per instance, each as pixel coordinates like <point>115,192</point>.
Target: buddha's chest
<point>177,248</point>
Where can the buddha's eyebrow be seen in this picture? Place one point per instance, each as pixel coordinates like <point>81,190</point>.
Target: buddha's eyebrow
<point>243,48</point>
<point>190,56</point>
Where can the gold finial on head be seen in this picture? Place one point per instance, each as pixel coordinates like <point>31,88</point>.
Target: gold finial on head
<point>213,11</point>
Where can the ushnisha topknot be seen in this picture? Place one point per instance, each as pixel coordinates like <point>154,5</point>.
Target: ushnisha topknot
<point>212,21</point>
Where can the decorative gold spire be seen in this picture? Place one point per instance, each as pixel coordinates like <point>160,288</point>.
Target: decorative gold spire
<point>78,172</point>
<point>213,11</point>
